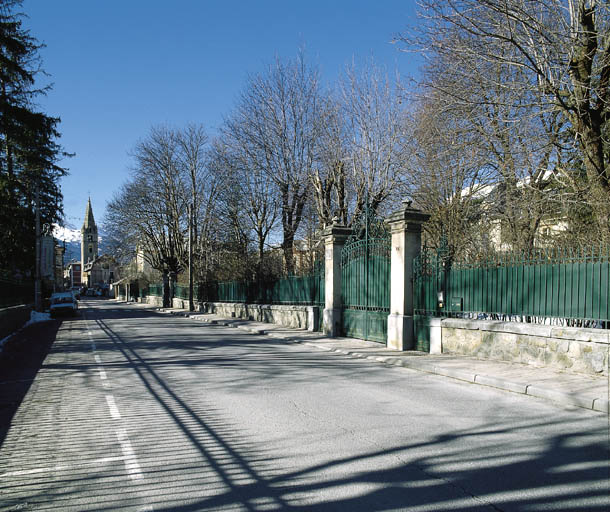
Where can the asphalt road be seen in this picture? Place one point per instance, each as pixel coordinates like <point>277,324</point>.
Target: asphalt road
<point>135,410</point>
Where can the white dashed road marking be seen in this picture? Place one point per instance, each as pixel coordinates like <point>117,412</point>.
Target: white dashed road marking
<point>131,461</point>
<point>129,457</point>
<point>114,410</point>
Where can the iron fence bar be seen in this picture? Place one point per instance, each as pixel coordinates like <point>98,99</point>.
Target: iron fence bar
<point>572,285</point>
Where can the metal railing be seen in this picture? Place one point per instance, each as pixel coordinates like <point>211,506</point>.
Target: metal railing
<point>571,286</point>
<point>155,289</point>
<point>297,290</point>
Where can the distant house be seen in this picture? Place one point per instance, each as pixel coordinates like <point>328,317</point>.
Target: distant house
<point>304,254</point>
<point>549,229</point>
<point>73,275</point>
<point>100,272</point>
<point>141,264</point>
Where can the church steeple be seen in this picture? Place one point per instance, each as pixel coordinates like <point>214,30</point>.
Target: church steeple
<point>89,220</point>
<point>89,240</point>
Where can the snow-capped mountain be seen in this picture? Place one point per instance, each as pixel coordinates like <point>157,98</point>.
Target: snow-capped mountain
<point>66,234</point>
<point>71,238</point>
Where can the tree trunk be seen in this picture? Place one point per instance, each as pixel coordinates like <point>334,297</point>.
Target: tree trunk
<point>173,277</point>
<point>288,249</point>
<point>599,183</point>
<point>166,290</point>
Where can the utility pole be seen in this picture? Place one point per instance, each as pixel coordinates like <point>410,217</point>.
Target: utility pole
<point>37,283</point>
<point>191,302</point>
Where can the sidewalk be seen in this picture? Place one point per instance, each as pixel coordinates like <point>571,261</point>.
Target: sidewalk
<point>588,392</point>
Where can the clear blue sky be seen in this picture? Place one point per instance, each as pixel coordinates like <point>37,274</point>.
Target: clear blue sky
<point>120,67</point>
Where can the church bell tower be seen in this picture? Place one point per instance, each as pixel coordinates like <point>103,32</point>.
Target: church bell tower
<point>88,244</point>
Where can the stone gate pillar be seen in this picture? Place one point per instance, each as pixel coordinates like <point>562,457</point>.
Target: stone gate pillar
<point>405,227</point>
<point>334,239</point>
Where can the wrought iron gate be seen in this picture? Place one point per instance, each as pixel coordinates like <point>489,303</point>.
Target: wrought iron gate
<point>365,280</point>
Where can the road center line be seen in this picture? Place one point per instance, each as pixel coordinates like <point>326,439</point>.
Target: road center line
<point>129,456</point>
<point>114,410</point>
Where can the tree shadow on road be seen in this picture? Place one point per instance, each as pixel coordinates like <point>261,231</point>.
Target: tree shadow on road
<point>495,466</point>
<point>195,457</point>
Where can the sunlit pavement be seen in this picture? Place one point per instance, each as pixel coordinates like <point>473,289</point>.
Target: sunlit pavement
<point>134,410</point>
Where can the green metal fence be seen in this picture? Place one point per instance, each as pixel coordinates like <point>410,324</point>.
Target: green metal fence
<point>155,289</point>
<point>182,292</point>
<point>14,292</point>
<point>572,286</point>
<point>307,290</point>
<point>297,290</point>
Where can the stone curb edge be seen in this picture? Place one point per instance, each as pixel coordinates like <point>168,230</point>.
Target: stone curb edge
<point>595,404</point>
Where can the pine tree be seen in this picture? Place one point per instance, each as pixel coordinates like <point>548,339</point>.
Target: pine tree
<point>29,151</point>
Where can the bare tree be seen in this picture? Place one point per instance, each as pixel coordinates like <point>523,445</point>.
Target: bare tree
<point>248,198</point>
<point>558,54</point>
<point>202,187</point>
<point>362,146</point>
<point>329,177</point>
<point>149,211</point>
<point>518,146</point>
<point>377,136</point>
<point>277,122</point>
<point>449,178</point>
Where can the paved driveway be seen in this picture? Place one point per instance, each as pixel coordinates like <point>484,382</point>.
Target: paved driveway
<point>133,410</point>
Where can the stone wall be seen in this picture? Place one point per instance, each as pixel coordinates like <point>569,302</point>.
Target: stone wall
<point>297,317</point>
<point>178,303</point>
<point>12,319</point>
<point>154,300</point>
<point>565,348</point>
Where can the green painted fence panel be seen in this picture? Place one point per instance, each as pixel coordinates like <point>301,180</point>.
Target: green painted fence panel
<point>564,285</point>
<point>155,289</point>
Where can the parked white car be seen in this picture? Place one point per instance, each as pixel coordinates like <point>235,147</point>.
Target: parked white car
<point>63,303</point>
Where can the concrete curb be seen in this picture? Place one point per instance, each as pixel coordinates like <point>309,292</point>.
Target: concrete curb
<point>601,405</point>
<point>558,396</point>
<point>496,382</point>
<point>568,399</point>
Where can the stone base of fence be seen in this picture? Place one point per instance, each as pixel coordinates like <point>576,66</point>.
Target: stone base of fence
<point>298,317</point>
<point>177,303</point>
<point>572,349</point>
<point>12,319</point>
<point>152,300</point>
<point>155,301</point>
